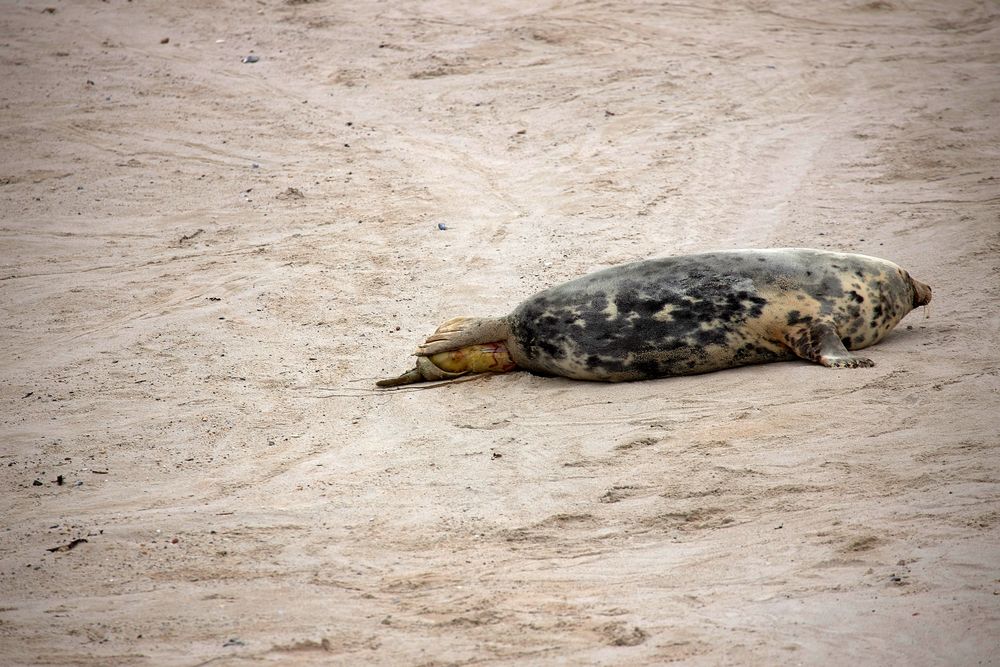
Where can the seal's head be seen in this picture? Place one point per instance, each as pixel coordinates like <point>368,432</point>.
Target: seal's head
<point>921,293</point>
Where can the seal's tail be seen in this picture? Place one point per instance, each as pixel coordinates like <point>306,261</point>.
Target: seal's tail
<point>460,332</point>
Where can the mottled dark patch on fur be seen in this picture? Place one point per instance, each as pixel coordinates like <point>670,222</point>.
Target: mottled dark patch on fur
<point>795,317</point>
<point>655,327</point>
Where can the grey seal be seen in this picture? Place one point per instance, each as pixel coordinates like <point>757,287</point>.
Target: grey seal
<point>684,315</point>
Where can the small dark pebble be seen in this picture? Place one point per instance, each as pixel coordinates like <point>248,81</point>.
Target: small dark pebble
<point>37,482</point>
<point>496,455</point>
<point>165,40</point>
<point>234,642</point>
<point>251,58</point>
<point>60,480</point>
<point>442,226</point>
<point>28,394</point>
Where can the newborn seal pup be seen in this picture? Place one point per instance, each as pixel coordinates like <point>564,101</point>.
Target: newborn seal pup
<point>684,315</point>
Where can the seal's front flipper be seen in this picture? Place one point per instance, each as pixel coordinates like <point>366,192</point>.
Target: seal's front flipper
<point>819,342</point>
<point>460,332</point>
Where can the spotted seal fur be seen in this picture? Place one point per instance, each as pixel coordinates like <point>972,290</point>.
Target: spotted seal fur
<point>684,315</point>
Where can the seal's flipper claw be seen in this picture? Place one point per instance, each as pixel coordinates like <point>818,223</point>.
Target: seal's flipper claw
<point>455,324</point>
<point>448,330</point>
<point>819,342</point>
<point>850,361</point>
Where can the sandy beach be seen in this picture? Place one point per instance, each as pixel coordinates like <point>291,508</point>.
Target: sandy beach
<point>207,259</point>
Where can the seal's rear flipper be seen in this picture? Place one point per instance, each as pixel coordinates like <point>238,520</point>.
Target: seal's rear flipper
<point>463,331</point>
<point>819,342</point>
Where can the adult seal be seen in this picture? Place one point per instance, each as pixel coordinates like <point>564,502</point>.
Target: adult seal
<point>684,315</point>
